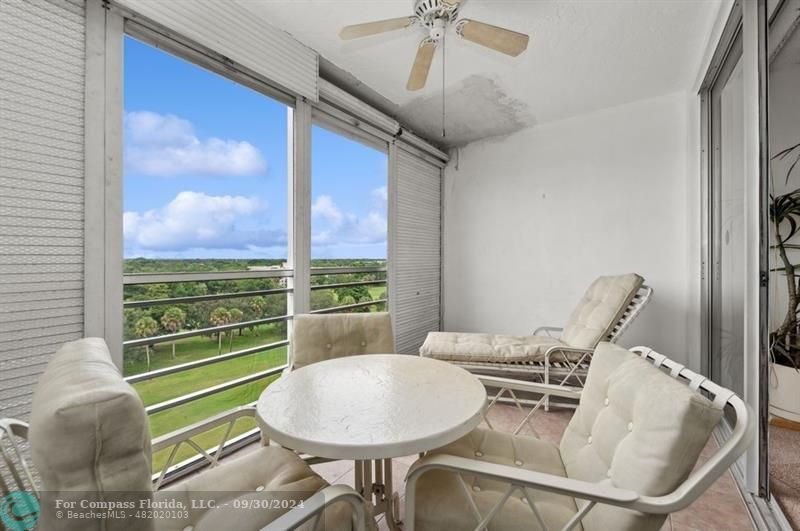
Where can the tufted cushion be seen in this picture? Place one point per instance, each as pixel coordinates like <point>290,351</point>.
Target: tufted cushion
<point>456,346</point>
<point>89,434</point>
<point>635,428</point>
<point>322,337</point>
<point>599,310</point>
<point>442,506</point>
<point>90,438</point>
<point>270,475</point>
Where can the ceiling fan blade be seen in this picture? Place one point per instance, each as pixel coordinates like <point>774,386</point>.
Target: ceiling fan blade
<point>422,65</point>
<point>373,28</point>
<point>500,39</point>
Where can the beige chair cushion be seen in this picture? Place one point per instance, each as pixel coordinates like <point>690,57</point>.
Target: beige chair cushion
<point>323,337</point>
<point>599,310</point>
<point>268,475</point>
<point>466,347</point>
<point>635,428</point>
<point>442,505</point>
<point>89,434</point>
<point>90,440</point>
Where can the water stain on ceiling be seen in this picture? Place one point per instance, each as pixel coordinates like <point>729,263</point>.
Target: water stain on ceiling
<point>478,108</point>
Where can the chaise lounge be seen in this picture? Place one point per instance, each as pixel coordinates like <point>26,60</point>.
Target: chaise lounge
<point>604,312</point>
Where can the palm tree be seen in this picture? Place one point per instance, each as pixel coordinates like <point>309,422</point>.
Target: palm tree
<point>236,317</point>
<point>219,317</point>
<point>173,320</point>
<point>258,305</point>
<point>146,326</point>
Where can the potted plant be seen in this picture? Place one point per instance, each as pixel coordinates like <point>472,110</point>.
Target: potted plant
<point>784,400</point>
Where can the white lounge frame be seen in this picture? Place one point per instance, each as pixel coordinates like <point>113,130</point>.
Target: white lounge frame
<point>558,366</point>
<point>520,479</point>
<point>15,431</point>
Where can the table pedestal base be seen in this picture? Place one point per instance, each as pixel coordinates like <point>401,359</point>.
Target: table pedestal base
<point>374,483</point>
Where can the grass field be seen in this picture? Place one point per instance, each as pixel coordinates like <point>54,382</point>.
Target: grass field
<point>174,385</point>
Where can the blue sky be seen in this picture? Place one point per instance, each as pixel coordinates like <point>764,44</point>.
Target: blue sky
<point>206,171</point>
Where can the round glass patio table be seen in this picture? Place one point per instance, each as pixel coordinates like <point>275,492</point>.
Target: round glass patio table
<point>369,409</point>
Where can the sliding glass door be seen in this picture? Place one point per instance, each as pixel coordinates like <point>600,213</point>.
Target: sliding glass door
<point>727,224</point>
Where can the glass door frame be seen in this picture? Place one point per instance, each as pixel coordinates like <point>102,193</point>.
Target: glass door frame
<point>731,61</point>
<point>744,38</point>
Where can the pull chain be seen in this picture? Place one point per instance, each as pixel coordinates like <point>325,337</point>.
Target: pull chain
<point>444,62</point>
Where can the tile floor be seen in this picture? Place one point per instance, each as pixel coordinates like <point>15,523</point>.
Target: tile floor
<point>721,508</point>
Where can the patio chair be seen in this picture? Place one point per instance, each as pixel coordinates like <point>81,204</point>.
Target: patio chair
<point>89,440</point>
<point>319,337</point>
<point>624,462</point>
<point>604,312</point>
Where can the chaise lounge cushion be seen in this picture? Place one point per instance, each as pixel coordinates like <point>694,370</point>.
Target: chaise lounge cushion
<point>596,315</point>
<point>599,310</point>
<point>487,348</point>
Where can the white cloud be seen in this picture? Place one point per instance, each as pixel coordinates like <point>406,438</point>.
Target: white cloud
<point>166,145</point>
<point>194,220</point>
<point>348,228</point>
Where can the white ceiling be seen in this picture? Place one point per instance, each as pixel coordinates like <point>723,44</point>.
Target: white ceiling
<point>583,55</point>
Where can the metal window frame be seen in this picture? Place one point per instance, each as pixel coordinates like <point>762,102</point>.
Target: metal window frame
<point>337,110</point>
<point>130,24</point>
<point>103,177</point>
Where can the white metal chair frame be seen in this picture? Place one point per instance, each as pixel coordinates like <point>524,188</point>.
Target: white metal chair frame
<point>11,432</point>
<point>557,362</point>
<point>310,509</point>
<point>522,480</point>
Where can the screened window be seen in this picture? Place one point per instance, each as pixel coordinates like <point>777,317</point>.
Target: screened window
<point>348,224</point>
<point>205,240</point>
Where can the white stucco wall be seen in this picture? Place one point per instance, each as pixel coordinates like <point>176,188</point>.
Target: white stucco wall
<point>531,219</point>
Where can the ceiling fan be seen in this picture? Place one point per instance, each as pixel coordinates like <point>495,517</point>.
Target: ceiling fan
<point>435,15</point>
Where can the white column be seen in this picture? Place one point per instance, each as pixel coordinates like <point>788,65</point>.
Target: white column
<point>103,177</point>
<point>391,229</point>
<point>299,122</point>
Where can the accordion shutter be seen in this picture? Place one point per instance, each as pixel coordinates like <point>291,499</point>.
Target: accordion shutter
<point>415,262</point>
<point>41,189</point>
<point>229,28</point>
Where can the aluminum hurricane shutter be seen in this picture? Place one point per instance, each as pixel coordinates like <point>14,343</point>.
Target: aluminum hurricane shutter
<point>231,29</point>
<point>41,189</point>
<point>415,263</point>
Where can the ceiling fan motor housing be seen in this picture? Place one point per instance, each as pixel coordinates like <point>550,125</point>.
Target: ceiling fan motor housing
<point>434,15</point>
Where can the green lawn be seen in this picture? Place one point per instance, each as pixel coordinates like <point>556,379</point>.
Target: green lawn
<point>166,421</point>
<point>195,348</point>
<point>178,384</point>
<point>376,291</point>
<point>175,385</point>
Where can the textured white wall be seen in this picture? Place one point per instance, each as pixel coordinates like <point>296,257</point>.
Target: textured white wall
<point>531,219</point>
